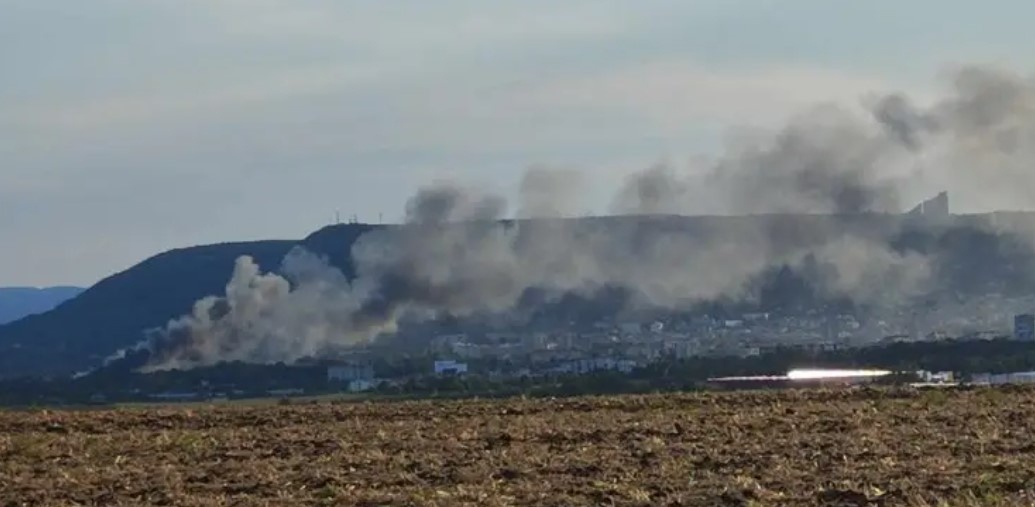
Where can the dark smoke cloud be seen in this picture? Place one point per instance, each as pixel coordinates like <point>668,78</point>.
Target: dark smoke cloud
<point>823,161</point>
<point>828,184</point>
<point>977,142</point>
<point>902,120</point>
<point>446,202</point>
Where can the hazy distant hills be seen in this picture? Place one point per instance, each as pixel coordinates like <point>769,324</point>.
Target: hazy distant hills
<point>113,313</point>
<point>18,302</point>
<point>116,311</point>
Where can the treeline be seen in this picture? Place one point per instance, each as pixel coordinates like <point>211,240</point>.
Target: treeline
<point>963,357</point>
<point>411,375</point>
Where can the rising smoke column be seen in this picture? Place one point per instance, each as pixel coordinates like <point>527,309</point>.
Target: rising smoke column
<point>265,318</point>
<point>978,142</point>
<point>827,181</point>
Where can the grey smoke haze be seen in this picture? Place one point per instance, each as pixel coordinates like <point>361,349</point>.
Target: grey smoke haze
<point>454,257</point>
<point>352,104</point>
<point>825,160</point>
<point>263,317</point>
<point>902,120</point>
<point>445,203</point>
<point>550,193</point>
<point>977,142</point>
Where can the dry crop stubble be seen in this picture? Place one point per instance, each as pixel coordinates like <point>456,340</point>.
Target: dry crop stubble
<point>807,447</point>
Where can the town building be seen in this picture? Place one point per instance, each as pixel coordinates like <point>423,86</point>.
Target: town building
<point>592,364</point>
<point>450,367</point>
<point>349,371</point>
<point>1022,377</point>
<point>1024,327</point>
<point>934,209</point>
<point>361,384</point>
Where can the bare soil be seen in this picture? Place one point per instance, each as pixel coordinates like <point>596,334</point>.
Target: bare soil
<point>808,447</point>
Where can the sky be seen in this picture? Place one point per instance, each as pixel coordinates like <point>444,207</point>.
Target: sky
<point>129,127</point>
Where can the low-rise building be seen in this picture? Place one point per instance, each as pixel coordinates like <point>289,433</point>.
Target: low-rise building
<point>1022,377</point>
<point>349,371</point>
<point>450,367</point>
<point>1024,327</point>
<point>361,385</point>
<point>589,365</point>
<point>938,377</point>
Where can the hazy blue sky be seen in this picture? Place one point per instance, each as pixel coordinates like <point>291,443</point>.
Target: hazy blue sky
<point>128,127</point>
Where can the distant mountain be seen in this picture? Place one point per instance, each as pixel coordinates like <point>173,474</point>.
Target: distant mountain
<point>18,302</point>
<point>113,314</point>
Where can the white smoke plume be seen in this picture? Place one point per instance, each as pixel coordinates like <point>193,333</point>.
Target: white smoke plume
<point>828,184</point>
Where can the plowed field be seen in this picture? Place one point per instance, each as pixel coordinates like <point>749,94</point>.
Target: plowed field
<point>810,447</point>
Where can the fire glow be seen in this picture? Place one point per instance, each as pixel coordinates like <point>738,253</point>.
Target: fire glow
<point>807,374</point>
<point>817,374</point>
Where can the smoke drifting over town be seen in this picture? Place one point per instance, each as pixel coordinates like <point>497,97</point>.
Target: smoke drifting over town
<point>829,184</point>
